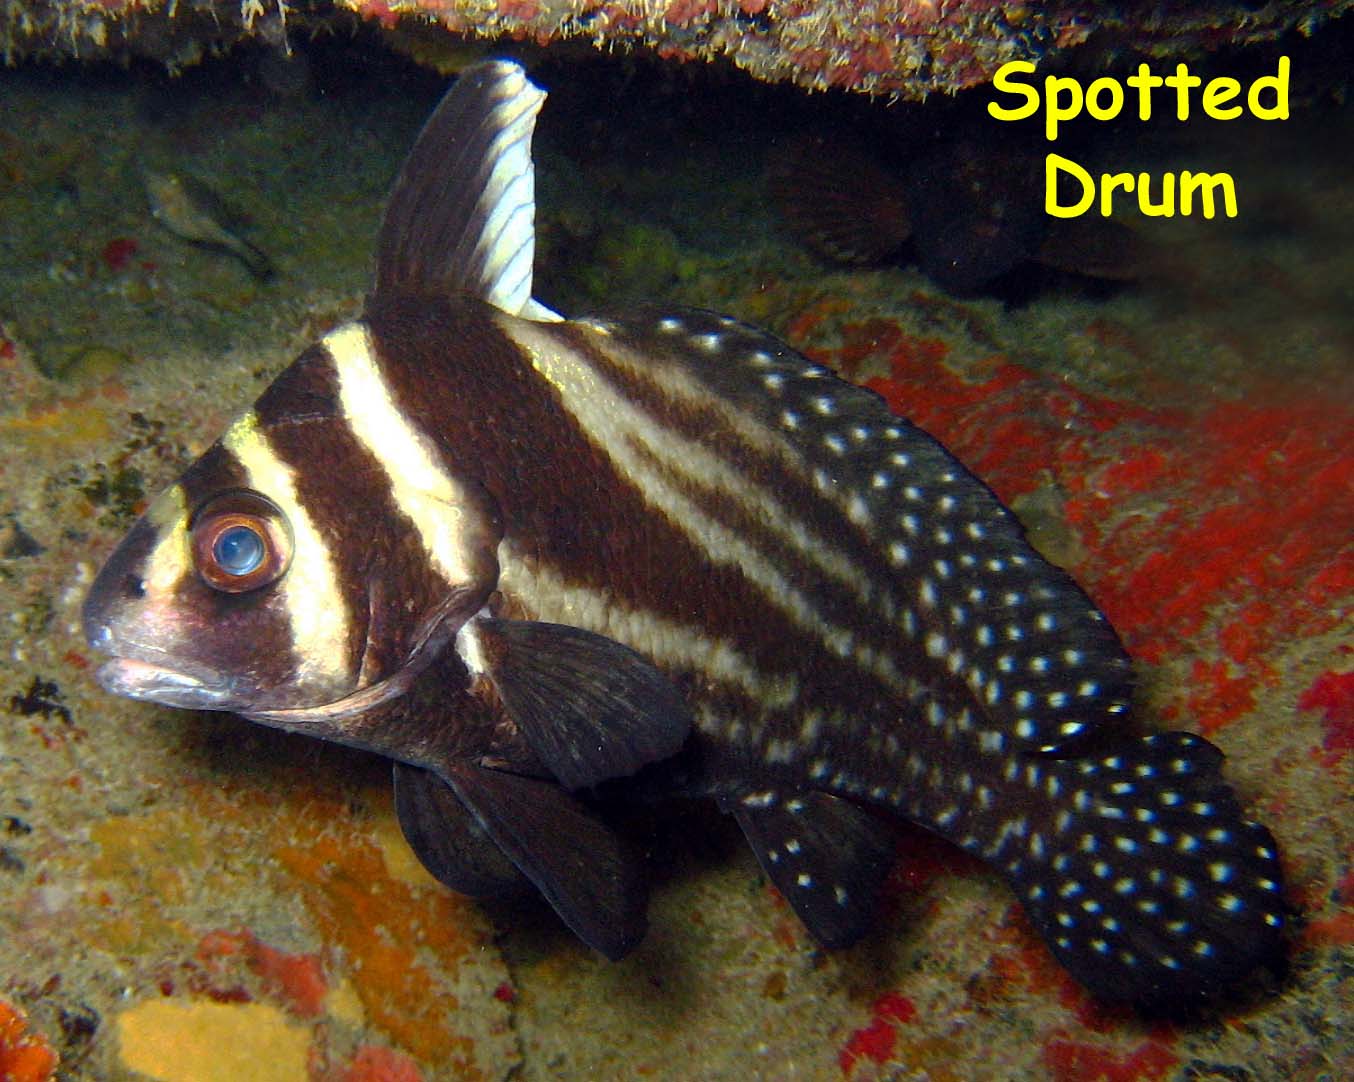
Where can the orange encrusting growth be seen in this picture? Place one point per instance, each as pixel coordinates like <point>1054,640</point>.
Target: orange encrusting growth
<point>876,1041</point>
<point>385,926</point>
<point>375,1064</point>
<point>1333,694</point>
<point>25,1056</point>
<point>297,978</point>
<point>1078,1061</point>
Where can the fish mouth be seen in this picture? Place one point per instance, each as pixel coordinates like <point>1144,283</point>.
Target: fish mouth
<point>142,672</point>
<point>150,682</point>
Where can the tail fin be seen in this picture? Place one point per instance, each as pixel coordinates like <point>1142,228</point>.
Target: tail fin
<point>1148,883</point>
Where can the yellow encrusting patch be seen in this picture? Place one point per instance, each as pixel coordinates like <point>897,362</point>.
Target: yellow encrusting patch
<point>399,859</point>
<point>187,1041</point>
<point>345,1004</point>
<point>310,590</point>
<point>423,490</point>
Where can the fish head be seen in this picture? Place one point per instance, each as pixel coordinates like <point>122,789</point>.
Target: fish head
<point>191,608</point>
<point>329,546</point>
<point>271,581</point>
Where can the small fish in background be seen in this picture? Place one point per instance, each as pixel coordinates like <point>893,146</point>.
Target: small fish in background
<point>966,212</point>
<point>531,560</point>
<point>190,210</point>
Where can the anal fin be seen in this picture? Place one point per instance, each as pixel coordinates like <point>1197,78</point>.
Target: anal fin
<point>448,838</point>
<point>575,860</point>
<point>827,856</point>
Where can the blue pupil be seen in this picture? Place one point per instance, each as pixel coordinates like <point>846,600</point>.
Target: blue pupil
<point>238,551</point>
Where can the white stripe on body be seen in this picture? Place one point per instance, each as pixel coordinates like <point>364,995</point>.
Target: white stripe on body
<point>310,591</point>
<point>431,498</point>
<point>634,441</point>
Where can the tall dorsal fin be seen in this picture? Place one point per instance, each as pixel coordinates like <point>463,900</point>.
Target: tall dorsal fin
<point>462,213</point>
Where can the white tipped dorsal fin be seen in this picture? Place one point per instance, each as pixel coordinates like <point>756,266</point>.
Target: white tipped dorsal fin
<point>462,212</point>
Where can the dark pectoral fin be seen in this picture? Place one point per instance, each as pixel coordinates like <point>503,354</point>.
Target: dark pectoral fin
<point>449,839</point>
<point>591,708</point>
<point>828,856</point>
<point>573,858</point>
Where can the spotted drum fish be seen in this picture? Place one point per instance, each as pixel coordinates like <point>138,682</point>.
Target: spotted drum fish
<point>529,559</point>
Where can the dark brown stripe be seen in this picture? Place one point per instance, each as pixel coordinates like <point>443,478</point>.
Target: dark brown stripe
<point>781,469</point>
<point>457,377</point>
<point>384,575</point>
<point>215,472</point>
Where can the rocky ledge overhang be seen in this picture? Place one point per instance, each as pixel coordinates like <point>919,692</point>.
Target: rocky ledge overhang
<point>897,48</point>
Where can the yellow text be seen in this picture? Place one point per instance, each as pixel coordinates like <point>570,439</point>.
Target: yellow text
<point>1156,200</point>
<point>1063,97</point>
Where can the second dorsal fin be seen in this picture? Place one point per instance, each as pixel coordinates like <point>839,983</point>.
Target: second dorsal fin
<point>462,212</point>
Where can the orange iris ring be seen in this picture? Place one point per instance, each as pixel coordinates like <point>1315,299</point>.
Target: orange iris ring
<point>265,522</point>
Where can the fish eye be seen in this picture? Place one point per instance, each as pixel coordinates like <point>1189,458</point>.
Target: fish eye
<point>240,542</point>
<point>239,549</point>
